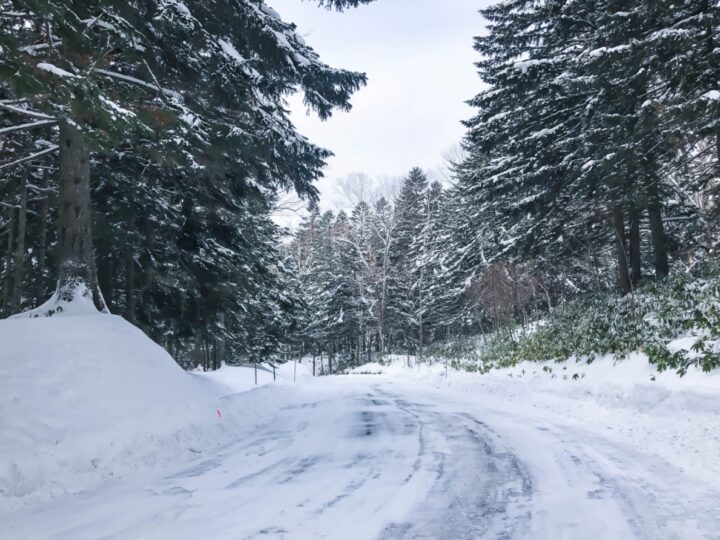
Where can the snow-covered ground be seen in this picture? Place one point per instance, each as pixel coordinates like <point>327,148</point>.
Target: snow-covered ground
<point>676,418</point>
<point>104,437</point>
<point>88,398</point>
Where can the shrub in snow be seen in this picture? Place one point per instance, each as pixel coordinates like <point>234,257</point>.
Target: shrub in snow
<point>675,322</point>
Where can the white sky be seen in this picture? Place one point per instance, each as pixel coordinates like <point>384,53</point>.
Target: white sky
<point>419,60</point>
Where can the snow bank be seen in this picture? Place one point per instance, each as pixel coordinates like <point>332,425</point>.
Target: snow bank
<point>677,418</point>
<point>81,303</point>
<point>88,398</point>
<point>242,378</point>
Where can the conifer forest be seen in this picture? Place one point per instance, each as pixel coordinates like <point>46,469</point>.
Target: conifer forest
<point>145,145</point>
<point>359,269</point>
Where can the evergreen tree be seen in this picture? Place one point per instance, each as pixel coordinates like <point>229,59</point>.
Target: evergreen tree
<point>426,272</point>
<point>203,82</point>
<point>179,111</point>
<point>410,212</point>
<point>384,242</point>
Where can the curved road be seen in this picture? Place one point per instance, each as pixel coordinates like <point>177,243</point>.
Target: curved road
<point>365,458</point>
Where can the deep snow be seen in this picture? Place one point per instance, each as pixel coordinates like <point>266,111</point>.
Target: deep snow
<point>104,436</point>
<point>89,397</point>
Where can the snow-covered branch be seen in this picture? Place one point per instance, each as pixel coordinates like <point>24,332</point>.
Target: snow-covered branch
<point>30,125</point>
<point>31,157</point>
<point>27,112</point>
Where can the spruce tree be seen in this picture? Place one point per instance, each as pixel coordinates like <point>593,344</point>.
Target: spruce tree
<point>202,82</point>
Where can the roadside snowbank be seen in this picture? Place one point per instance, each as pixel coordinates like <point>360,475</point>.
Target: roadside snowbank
<point>676,418</point>
<point>236,379</point>
<point>89,398</point>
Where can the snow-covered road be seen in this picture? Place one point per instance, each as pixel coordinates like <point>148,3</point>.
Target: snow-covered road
<point>368,457</point>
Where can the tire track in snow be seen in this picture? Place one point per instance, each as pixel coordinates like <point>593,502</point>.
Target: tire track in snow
<point>480,489</point>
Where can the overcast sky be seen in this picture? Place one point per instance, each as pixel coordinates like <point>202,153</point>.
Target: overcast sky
<point>419,60</point>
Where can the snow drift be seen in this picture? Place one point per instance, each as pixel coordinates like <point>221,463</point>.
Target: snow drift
<point>89,397</point>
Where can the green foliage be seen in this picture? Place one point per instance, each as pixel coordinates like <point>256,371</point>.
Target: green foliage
<point>646,321</point>
<point>461,348</point>
<point>183,105</point>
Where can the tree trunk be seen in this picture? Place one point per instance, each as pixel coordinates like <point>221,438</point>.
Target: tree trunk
<point>76,262</point>
<point>717,149</point>
<point>19,260</point>
<point>548,299</point>
<point>710,32</point>
<point>657,229</point>
<point>635,257</point>
<point>8,261</point>
<point>130,286</point>
<point>421,337</point>
<point>222,345</point>
<point>42,241</point>
<point>619,227</point>
<point>107,268</point>
<point>146,264</point>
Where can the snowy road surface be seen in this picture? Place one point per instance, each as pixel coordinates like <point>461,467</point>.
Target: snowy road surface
<point>366,457</point>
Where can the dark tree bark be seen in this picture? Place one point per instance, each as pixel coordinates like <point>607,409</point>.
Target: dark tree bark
<point>717,150</point>
<point>421,337</point>
<point>107,267</point>
<point>19,259</point>
<point>634,246</point>
<point>222,344</point>
<point>657,229</point>
<point>129,286</point>
<point>710,45</point>
<point>8,261</point>
<point>622,260</point>
<point>43,211</point>
<point>76,260</point>
<point>146,266</point>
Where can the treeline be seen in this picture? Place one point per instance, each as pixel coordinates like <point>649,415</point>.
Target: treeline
<point>592,164</point>
<point>142,148</point>
<point>395,275</point>
<point>367,278</point>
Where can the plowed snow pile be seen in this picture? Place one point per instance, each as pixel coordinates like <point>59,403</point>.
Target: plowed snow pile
<point>88,398</point>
